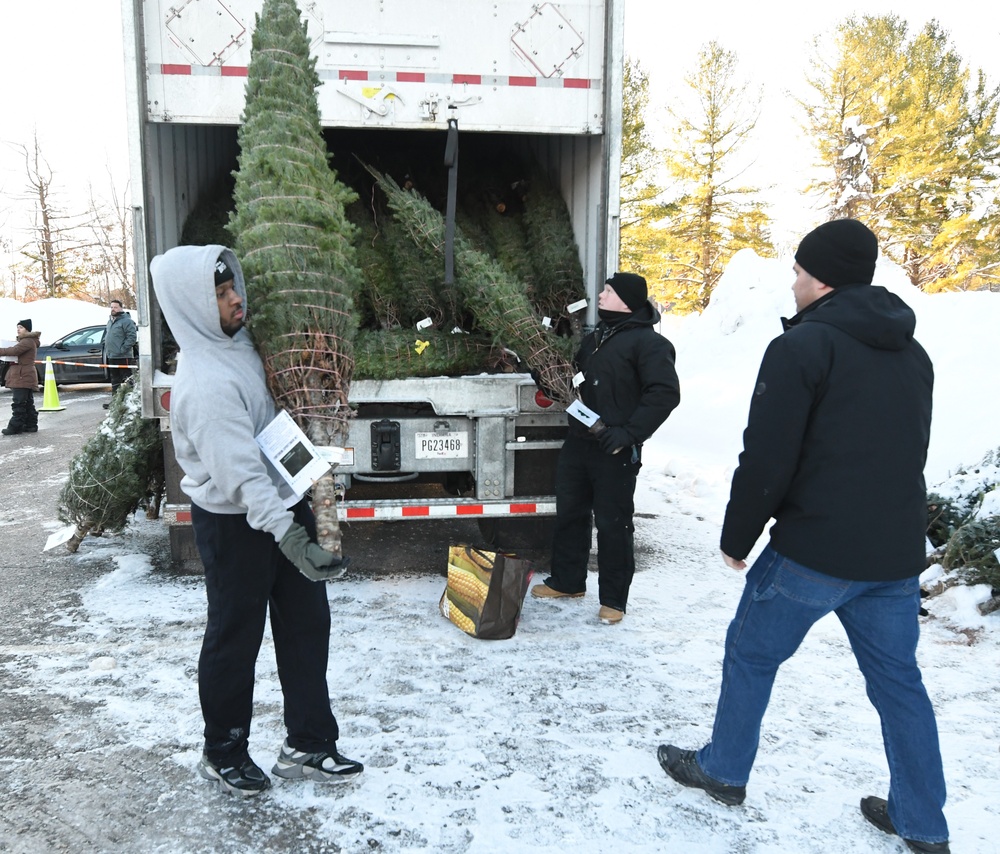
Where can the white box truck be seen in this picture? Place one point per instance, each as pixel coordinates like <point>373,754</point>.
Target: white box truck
<point>546,78</point>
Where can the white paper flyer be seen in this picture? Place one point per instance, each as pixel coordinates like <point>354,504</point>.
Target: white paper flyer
<point>582,413</point>
<point>293,455</point>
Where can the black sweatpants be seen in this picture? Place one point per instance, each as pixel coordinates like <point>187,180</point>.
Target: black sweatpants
<point>594,488</point>
<point>245,575</point>
<point>23,415</point>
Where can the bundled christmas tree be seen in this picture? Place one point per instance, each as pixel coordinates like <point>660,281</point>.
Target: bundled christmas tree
<point>117,471</point>
<point>400,353</point>
<point>494,298</point>
<point>294,242</point>
<point>549,232</point>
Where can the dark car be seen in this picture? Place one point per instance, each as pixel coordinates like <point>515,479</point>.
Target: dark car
<point>85,347</point>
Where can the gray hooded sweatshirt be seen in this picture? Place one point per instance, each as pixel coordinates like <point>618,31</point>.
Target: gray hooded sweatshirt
<point>219,399</point>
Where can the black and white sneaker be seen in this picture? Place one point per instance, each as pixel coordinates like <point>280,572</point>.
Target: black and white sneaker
<point>325,766</point>
<point>243,777</point>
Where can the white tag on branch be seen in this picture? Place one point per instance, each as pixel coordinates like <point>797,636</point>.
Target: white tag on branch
<point>547,322</point>
<point>458,331</point>
<point>576,306</point>
<point>423,324</point>
<point>996,554</point>
<point>578,379</point>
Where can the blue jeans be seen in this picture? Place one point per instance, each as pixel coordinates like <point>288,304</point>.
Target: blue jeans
<point>780,603</point>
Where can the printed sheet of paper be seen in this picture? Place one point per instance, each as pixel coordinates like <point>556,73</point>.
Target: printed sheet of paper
<point>293,455</point>
<point>6,342</point>
<point>582,413</point>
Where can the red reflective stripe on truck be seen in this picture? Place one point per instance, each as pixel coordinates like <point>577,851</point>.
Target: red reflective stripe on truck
<point>523,508</point>
<point>469,510</point>
<point>183,515</point>
<point>360,512</point>
<point>416,511</point>
<point>399,76</point>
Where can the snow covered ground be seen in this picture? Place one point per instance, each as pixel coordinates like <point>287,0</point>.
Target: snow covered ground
<point>546,742</point>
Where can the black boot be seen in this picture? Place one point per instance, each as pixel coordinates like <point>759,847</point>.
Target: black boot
<point>12,429</point>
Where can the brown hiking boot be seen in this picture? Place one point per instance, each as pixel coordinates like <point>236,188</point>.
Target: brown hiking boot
<point>610,616</point>
<point>543,591</point>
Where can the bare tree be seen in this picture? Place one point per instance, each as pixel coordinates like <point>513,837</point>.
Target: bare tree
<point>55,233</point>
<point>111,227</point>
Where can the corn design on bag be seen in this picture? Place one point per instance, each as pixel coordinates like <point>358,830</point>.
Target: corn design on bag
<point>485,591</point>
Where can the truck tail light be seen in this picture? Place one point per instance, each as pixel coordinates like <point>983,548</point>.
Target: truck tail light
<point>165,401</point>
<point>541,400</point>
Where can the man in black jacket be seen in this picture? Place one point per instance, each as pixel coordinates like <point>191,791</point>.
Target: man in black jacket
<point>626,375</point>
<point>834,452</point>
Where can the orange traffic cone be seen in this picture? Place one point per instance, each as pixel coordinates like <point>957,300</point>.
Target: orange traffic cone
<point>50,400</point>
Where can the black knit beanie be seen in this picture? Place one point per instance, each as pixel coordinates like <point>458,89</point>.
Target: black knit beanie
<point>631,288</point>
<point>25,323</point>
<point>222,272</point>
<point>840,252</point>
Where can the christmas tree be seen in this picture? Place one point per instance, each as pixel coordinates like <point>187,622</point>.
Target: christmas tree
<point>294,242</point>
<point>495,299</point>
<point>117,471</point>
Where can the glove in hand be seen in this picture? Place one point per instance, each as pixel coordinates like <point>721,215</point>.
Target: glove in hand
<point>315,563</point>
<point>614,439</point>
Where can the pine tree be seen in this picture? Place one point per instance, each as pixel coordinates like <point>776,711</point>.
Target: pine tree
<point>495,299</point>
<point>401,353</point>
<point>118,470</point>
<point>643,209</point>
<point>711,209</point>
<point>910,148</point>
<point>294,242</point>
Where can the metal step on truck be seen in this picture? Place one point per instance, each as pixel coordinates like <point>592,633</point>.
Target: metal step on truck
<point>543,80</point>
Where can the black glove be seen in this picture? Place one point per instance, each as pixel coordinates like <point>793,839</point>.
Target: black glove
<point>613,439</point>
<point>315,563</point>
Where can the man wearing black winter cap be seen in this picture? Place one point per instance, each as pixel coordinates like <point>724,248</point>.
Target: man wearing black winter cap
<point>627,377</point>
<point>834,452</point>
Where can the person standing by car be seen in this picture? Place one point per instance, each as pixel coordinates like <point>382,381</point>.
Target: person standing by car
<point>22,379</point>
<point>120,337</point>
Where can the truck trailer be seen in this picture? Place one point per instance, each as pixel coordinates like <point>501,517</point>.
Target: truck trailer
<point>543,80</point>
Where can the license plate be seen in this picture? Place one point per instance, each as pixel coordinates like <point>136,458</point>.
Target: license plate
<point>433,446</point>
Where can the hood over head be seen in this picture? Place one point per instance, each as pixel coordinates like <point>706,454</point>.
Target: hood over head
<point>184,279</point>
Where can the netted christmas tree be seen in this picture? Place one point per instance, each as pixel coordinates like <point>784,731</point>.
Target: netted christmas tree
<point>294,242</point>
<point>494,298</point>
<point>117,471</point>
<point>401,353</point>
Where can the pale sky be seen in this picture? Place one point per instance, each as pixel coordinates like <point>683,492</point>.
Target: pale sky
<point>62,71</point>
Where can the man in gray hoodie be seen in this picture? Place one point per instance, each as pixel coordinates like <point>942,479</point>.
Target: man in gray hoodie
<point>256,538</point>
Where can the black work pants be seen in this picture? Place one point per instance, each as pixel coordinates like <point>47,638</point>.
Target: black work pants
<point>594,488</point>
<point>245,575</point>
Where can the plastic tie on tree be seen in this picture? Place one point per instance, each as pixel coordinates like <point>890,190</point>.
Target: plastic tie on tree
<point>419,346</point>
